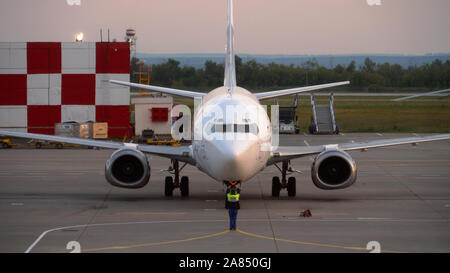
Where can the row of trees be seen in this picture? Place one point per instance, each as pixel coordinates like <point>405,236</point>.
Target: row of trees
<point>256,76</point>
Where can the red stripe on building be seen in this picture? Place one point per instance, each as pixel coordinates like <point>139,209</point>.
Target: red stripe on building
<point>117,116</point>
<point>78,89</point>
<point>118,131</point>
<point>112,57</point>
<point>43,57</point>
<point>42,118</point>
<point>13,89</point>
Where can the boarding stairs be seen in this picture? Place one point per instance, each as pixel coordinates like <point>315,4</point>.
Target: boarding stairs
<point>323,120</point>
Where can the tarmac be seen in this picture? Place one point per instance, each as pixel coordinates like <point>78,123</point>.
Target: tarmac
<point>50,198</point>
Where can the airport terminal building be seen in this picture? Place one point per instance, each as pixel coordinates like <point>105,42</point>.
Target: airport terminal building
<point>44,83</point>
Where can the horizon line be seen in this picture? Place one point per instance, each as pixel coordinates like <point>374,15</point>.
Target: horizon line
<point>283,54</point>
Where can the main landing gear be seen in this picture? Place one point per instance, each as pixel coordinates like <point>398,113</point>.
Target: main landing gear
<point>173,182</point>
<point>289,184</point>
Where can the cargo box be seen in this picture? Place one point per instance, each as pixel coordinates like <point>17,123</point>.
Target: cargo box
<point>66,129</point>
<point>84,130</point>
<point>100,130</point>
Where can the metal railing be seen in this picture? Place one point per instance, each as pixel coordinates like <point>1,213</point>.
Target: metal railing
<point>333,120</point>
<point>316,129</point>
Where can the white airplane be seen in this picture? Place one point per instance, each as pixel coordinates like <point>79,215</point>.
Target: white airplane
<point>230,150</point>
<point>422,94</point>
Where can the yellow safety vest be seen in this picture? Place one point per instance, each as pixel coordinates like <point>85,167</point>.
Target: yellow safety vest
<point>233,197</point>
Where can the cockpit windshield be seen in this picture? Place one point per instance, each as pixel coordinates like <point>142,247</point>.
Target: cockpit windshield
<point>251,128</point>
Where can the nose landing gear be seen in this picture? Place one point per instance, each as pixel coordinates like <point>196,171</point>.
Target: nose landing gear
<point>173,182</point>
<point>289,184</point>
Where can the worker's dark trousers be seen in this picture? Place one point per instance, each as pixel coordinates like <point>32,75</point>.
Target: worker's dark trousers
<point>233,215</point>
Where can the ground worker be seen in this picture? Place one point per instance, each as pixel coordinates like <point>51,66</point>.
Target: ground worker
<point>233,206</point>
<point>231,184</point>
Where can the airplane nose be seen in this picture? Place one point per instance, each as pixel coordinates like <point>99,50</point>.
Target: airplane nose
<point>236,158</point>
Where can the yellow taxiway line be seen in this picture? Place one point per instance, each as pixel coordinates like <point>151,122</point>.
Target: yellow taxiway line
<point>309,243</point>
<point>241,232</point>
<point>158,243</point>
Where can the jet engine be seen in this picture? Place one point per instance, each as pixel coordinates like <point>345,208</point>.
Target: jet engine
<point>127,168</point>
<point>333,169</point>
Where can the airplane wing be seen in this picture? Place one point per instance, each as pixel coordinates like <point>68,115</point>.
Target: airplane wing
<point>422,94</point>
<point>171,91</point>
<point>288,153</point>
<point>278,93</point>
<point>181,153</point>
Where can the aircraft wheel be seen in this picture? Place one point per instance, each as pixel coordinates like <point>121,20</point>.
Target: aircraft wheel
<point>59,146</point>
<point>276,186</point>
<point>5,145</point>
<point>38,145</point>
<point>291,187</point>
<point>184,186</point>
<point>168,190</point>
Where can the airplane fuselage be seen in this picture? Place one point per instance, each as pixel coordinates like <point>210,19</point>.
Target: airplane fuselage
<point>232,135</point>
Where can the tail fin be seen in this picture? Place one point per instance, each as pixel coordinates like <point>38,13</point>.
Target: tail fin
<point>230,67</point>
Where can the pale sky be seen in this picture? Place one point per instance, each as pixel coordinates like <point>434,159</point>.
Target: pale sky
<point>262,26</point>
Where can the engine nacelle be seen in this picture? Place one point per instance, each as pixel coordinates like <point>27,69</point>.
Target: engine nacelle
<point>333,169</point>
<point>127,168</point>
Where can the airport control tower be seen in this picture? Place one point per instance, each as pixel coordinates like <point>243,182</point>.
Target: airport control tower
<point>130,37</point>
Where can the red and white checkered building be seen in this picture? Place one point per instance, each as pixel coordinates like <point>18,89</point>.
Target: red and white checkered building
<point>43,83</point>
